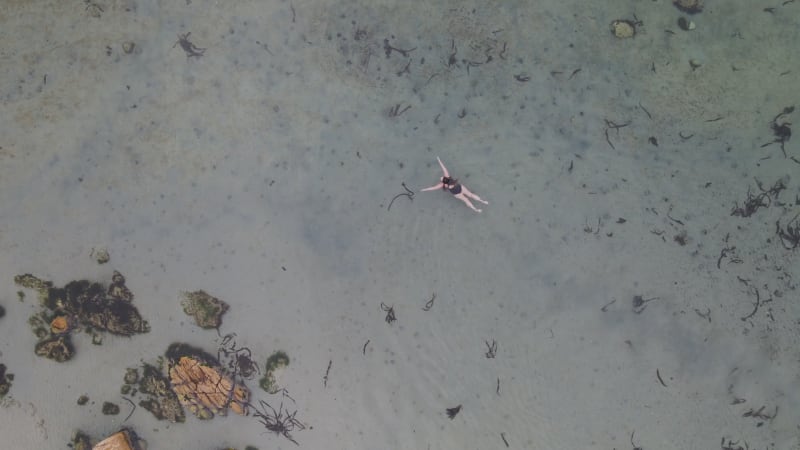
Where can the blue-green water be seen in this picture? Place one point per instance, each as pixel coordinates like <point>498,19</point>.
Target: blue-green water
<point>632,281</point>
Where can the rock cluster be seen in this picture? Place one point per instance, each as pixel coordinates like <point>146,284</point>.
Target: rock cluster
<point>80,303</point>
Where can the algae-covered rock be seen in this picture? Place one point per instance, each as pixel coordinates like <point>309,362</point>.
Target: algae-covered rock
<point>202,385</point>
<point>80,441</point>
<point>110,409</point>
<point>31,282</point>
<point>131,376</point>
<point>5,381</point>
<point>39,324</point>
<point>80,304</point>
<point>117,288</point>
<point>131,379</point>
<point>275,367</point>
<point>161,401</point>
<point>100,255</point>
<point>58,348</point>
<point>206,309</point>
<point>117,317</point>
<point>91,303</point>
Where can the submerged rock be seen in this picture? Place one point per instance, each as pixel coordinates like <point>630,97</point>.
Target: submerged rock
<point>276,364</point>
<point>117,288</point>
<point>110,409</point>
<point>100,255</point>
<point>61,325</point>
<point>80,304</point>
<point>80,441</point>
<point>206,309</point>
<point>31,282</point>
<point>91,303</point>
<point>124,439</point>
<point>117,317</point>
<point>131,375</point>
<point>56,347</point>
<point>5,381</point>
<point>202,385</point>
<point>161,401</point>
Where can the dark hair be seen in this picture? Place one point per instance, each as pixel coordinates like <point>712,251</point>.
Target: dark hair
<point>448,180</point>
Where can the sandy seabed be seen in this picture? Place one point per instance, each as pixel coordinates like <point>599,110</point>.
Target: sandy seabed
<point>251,149</point>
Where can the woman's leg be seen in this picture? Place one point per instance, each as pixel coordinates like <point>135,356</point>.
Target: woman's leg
<point>464,199</point>
<point>470,194</point>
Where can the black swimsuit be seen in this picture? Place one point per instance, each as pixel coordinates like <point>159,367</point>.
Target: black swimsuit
<point>455,190</point>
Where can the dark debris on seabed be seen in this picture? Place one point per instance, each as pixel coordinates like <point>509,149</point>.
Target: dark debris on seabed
<point>80,305</point>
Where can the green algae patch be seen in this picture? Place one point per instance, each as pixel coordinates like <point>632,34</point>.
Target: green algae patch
<point>273,371</point>
<point>206,309</point>
<point>159,399</point>
<point>31,282</point>
<point>80,441</point>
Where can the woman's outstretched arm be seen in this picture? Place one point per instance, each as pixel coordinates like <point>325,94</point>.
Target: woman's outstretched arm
<point>444,169</point>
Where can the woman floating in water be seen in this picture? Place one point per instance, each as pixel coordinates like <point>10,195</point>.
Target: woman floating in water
<point>458,190</point>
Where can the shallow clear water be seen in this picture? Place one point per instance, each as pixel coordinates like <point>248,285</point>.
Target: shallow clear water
<point>262,168</point>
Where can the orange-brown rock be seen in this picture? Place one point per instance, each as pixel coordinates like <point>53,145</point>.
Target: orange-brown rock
<point>205,390</point>
<point>60,325</point>
<point>121,440</point>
